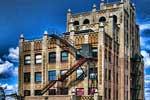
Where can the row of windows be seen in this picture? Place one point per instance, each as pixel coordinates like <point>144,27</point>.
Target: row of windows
<point>52,58</point>
<point>52,75</point>
<point>101,19</point>
<point>62,91</point>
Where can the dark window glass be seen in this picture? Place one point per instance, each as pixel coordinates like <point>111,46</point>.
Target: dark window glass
<point>27,77</point>
<point>26,92</point>
<point>94,52</point>
<point>62,72</point>
<point>38,59</point>
<point>52,57</point>
<point>52,92</point>
<point>27,59</point>
<point>38,77</point>
<point>64,91</point>
<point>109,57</point>
<point>109,75</point>
<point>105,93</point>
<point>37,92</point>
<point>52,75</point>
<point>86,21</point>
<point>64,56</point>
<point>76,23</point>
<point>91,91</point>
<point>93,73</point>
<point>102,19</point>
<point>109,95</point>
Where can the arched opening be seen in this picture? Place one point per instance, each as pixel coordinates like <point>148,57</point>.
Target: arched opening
<point>102,19</point>
<point>75,23</point>
<point>115,18</point>
<point>86,21</point>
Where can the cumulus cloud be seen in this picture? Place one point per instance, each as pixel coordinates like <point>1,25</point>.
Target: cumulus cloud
<point>8,67</point>
<point>146,56</point>
<point>9,88</point>
<point>13,54</point>
<point>144,26</point>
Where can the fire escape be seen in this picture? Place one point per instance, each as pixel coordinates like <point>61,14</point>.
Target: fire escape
<point>136,74</point>
<point>80,62</point>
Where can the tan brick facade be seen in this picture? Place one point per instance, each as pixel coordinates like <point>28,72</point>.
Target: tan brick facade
<point>111,31</point>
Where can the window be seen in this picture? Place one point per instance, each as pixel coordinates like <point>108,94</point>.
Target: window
<point>26,92</point>
<point>76,23</point>
<point>114,18</point>
<point>27,59</point>
<point>109,57</point>
<point>109,75</point>
<point>105,93</point>
<point>38,59</point>
<point>52,75</point>
<point>86,21</point>
<point>94,52</point>
<point>62,72</point>
<point>27,77</point>
<point>91,91</point>
<point>37,92</point>
<point>102,19</point>
<point>80,91</point>
<point>64,91</point>
<point>64,56</point>
<point>52,92</point>
<point>52,57</point>
<point>38,77</point>
<point>93,73</point>
<point>79,74</point>
<point>109,95</point>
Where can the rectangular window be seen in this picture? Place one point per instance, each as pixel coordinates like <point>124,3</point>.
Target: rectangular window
<point>105,93</point>
<point>91,91</point>
<point>38,77</point>
<point>94,52</point>
<point>109,57</point>
<point>62,72</point>
<point>109,75</point>
<point>52,92</point>
<point>93,73</point>
<point>109,95</point>
<point>27,59</point>
<point>52,75</point>
<point>26,92</point>
<point>64,91</point>
<point>80,91</point>
<point>27,77</point>
<point>79,74</point>
<point>52,57</point>
<point>105,74</point>
<point>64,56</point>
<point>38,59</point>
<point>37,92</point>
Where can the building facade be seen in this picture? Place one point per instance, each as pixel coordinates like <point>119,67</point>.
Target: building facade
<point>108,39</point>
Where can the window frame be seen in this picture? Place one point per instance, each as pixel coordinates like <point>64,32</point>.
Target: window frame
<point>27,92</point>
<point>38,58</point>
<point>78,76</point>
<point>66,56</point>
<point>54,77</point>
<point>26,60</point>
<point>35,78</point>
<point>52,59</point>
<point>28,75</point>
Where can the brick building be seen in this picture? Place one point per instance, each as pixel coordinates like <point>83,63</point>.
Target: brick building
<point>99,53</point>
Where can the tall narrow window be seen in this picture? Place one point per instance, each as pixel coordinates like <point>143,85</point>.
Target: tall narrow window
<point>52,75</point>
<point>79,74</point>
<point>27,77</point>
<point>80,91</point>
<point>37,92</point>
<point>52,57</point>
<point>38,59</point>
<point>27,59</point>
<point>38,77</point>
<point>64,56</point>
<point>94,52</point>
<point>109,95</point>
<point>62,72</point>
<point>26,92</point>
<point>109,75</point>
<point>93,73</point>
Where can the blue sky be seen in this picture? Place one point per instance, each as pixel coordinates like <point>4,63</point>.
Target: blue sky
<point>33,17</point>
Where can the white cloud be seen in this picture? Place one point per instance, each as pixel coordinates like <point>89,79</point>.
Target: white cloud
<point>5,66</point>
<point>13,54</point>
<point>146,56</point>
<point>144,26</point>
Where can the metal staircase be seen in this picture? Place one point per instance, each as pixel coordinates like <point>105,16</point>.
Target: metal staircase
<point>73,68</point>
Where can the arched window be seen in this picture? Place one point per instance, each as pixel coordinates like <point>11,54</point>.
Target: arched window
<point>76,23</point>
<point>86,21</point>
<point>102,19</point>
<point>115,18</point>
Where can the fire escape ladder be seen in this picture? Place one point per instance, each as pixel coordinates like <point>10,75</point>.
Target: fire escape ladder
<point>47,87</point>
